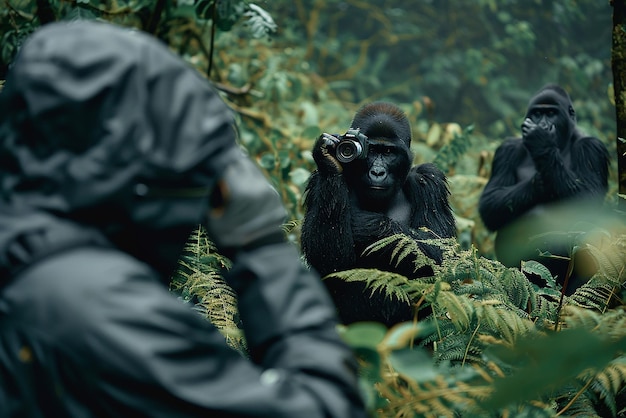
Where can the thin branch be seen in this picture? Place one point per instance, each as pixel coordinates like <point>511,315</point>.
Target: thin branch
<point>571,402</point>
<point>212,44</point>
<point>155,17</point>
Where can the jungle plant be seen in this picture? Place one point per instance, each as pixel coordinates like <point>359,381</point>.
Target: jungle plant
<point>180,24</point>
<point>493,344</point>
<point>199,281</point>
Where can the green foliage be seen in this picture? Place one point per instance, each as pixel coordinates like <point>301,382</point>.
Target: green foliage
<point>199,281</point>
<point>449,154</point>
<point>493,342</point>
<point>404,246</point>
<point>259,21</point>
<point>392,285</point>
<point>176,22</point>
<point>566,354</point>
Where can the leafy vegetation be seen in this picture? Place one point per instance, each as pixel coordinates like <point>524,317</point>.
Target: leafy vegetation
<point>485,342</point>
<point>199,281</point>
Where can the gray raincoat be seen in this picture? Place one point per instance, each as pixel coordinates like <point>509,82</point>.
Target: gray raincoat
<point>110,149</point>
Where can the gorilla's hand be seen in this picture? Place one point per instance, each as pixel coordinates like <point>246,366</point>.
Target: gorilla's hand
<point>538,138</point>
<point>324,155</point>
<point>370,226</point>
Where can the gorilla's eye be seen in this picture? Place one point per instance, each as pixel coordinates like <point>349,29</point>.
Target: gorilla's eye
<point>387,150</point>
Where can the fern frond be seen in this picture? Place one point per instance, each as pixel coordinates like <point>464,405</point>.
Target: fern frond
<point>199,280</point>
<point>402,246</point>
<point>611,324</point>
<point>478,303</point>
<point>575,317</point>
<point>458,309</point>
<point>582,406</point>
<point>476,290</point>
<point>392,285</point>
<point>259,21</point>
<point>610,256</point>
<point>543,310</point>
<point>418,288</point>
<point>535,267</point>
<point>220,302</point>
<point>497,321</point>
<point>387,241</point>
<point>443,329</point>
<point>593,295</point>
<point>450,392</point>
<point>612,378</point>
<point>598,387</point>
<point>459,348</point>
<point>518,289</point>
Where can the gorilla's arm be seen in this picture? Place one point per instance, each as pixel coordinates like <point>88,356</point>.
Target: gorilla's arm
<point>504,198</point>
<point>427,191</point>
<point>327,241</point>
<point>587,176</point>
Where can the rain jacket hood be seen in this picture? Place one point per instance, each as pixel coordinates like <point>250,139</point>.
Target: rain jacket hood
<point>128,139</point>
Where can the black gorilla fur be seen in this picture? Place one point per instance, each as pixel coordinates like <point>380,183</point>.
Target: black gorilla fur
<point>552,162</point>
<point>351,205</point>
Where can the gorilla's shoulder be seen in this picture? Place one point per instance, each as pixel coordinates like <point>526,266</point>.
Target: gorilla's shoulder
<point>512,143</point>
<point>587,141</point>
<point>584,145</point>
<point>428,170</point>
<point>511,147</point>
<point>427,175</point>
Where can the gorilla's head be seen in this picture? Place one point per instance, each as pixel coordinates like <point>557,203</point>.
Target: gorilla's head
<point>378,178</point>
<point>551,105</point>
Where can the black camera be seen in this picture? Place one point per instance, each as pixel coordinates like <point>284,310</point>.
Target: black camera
<point>351,146</point>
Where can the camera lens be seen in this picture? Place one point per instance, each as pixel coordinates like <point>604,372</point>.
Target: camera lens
<point>348,151</point>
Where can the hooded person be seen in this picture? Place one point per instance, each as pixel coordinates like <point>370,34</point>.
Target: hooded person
<point>113,151</point>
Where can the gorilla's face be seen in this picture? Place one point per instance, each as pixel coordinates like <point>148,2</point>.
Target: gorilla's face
<point>378,178</point>
<point>545,115</point>
<point>549,108</point>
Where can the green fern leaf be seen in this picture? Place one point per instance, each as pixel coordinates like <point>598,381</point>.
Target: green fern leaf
<point>392,285</point>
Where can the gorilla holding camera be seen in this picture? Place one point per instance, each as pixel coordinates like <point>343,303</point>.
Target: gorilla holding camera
<point>364,189</point>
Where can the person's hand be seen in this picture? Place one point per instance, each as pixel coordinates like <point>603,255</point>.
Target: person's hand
<point>538,138</point>
<point>244,208</point>
<point>324,155</point>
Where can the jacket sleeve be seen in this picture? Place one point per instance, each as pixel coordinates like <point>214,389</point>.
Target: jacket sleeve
<point>289,319</point>
<point>130,348</point>
<point>290,329</point>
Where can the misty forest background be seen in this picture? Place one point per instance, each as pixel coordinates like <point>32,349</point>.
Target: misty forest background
<point>463,71</point>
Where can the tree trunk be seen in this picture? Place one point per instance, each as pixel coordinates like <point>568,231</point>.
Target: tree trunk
<point>618,64</point>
